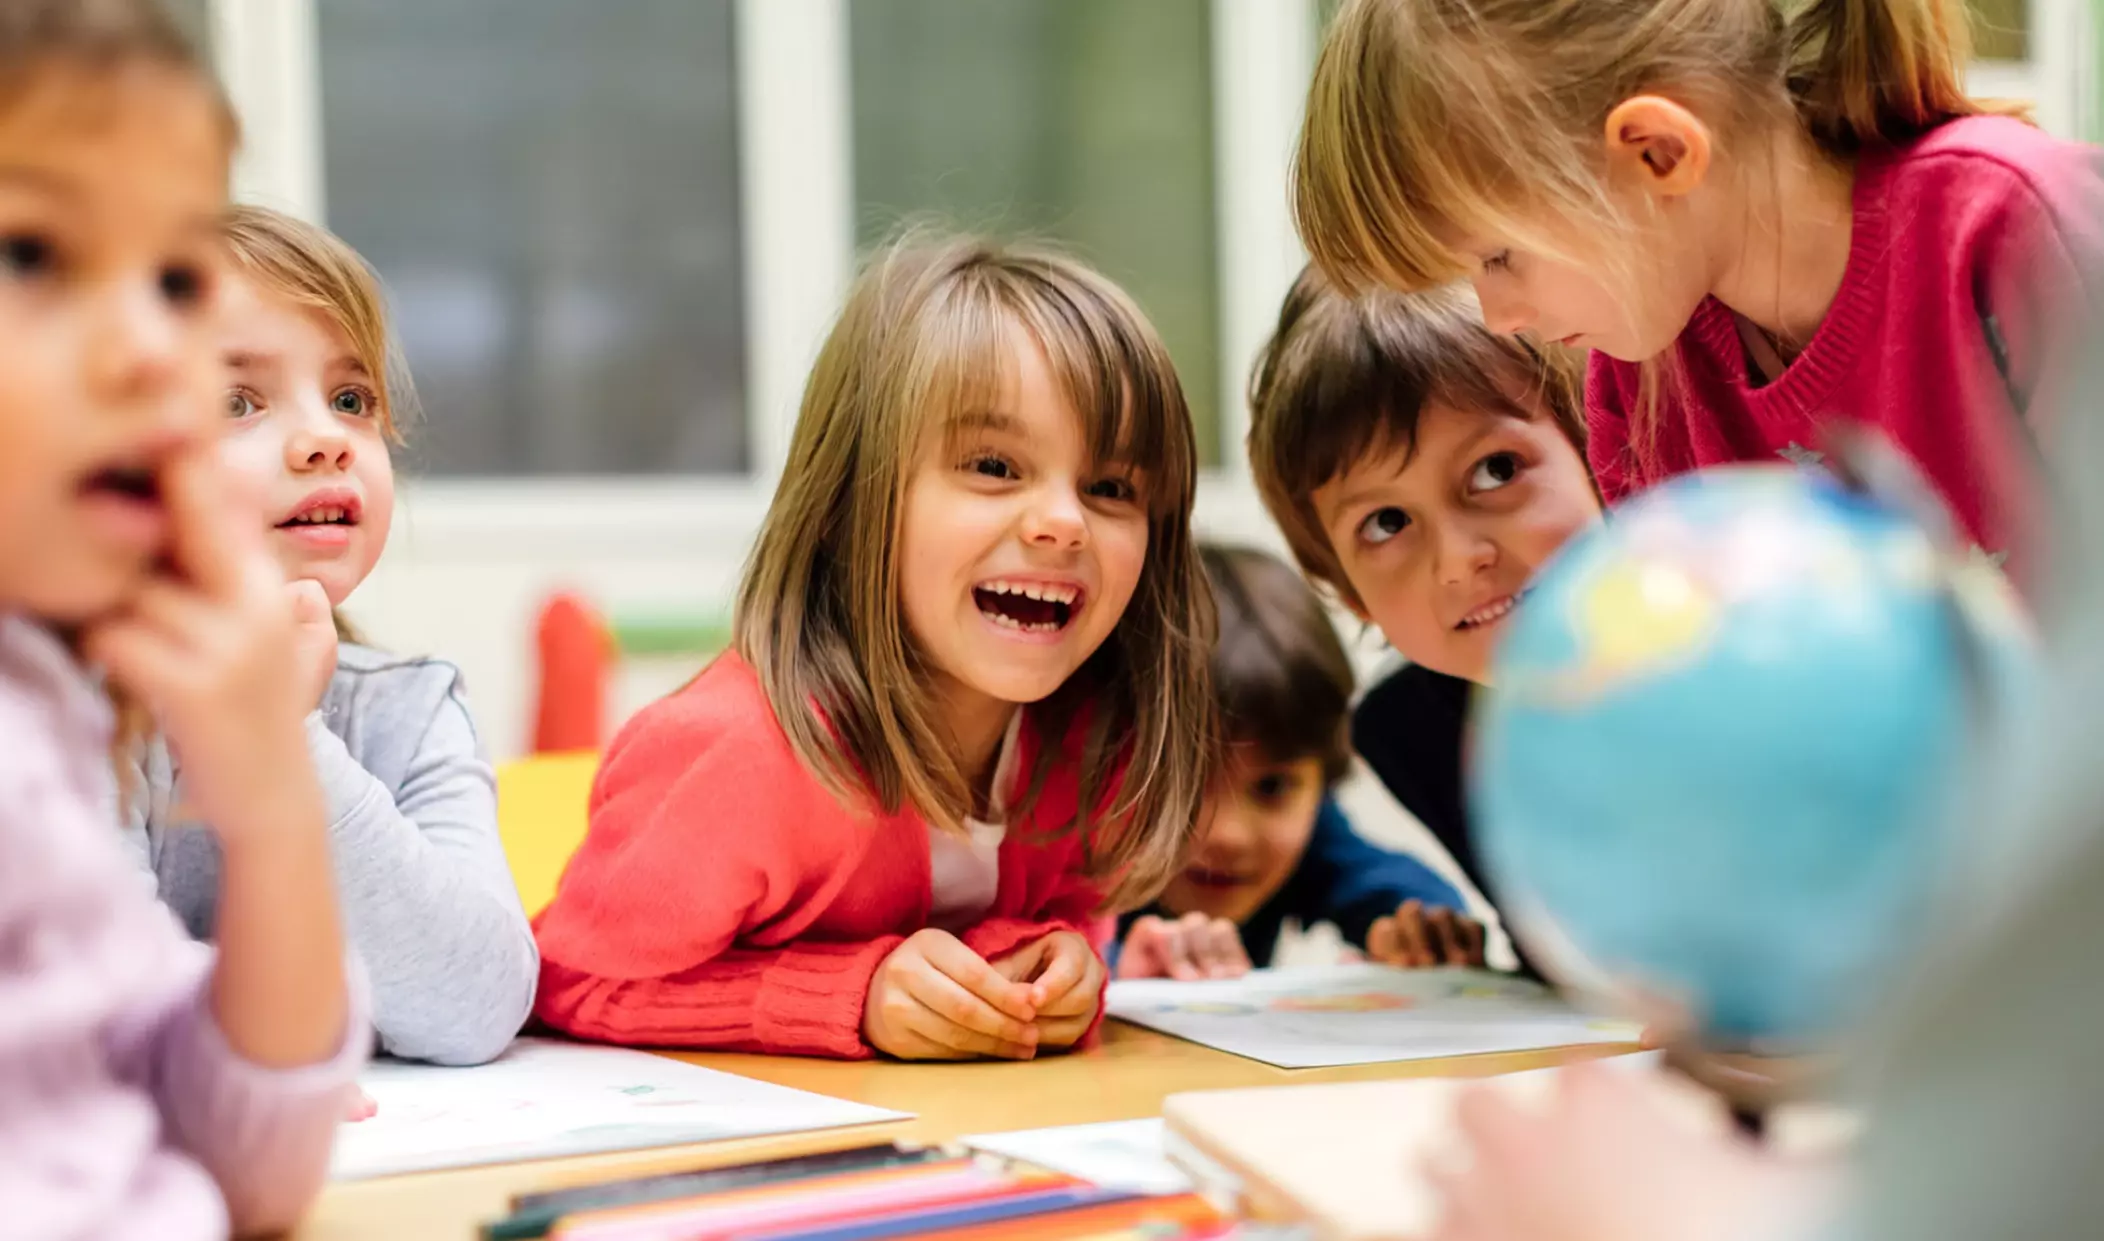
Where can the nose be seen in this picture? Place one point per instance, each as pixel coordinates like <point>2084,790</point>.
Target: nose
<point>318,443</point>
<point>1461,551</point>
<point>1056,520</point>
<point>137,357</point>
<point>1229,831</point>
<point>1503,313</point>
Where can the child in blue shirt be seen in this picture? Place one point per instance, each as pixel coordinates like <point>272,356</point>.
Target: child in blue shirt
<point>1275,845</point>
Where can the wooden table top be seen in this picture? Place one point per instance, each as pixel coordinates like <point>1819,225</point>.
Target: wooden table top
<point>1124,1078</point>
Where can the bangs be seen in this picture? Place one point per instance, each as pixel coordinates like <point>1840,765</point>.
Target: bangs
<point>1359,382</point>
<point>1414,141</point>
<point>1098,352</point>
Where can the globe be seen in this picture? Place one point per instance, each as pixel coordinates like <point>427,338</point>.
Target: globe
<point>1719,757</point>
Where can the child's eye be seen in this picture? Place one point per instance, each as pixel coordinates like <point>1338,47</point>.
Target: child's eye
<point>1270,788</point>
<point>1501,261</point>
<point>1383,524</point>
<point>27,255</point>
<point>182,285</point>
<point>1117,490</point>
<point>238,404</point>
<point>1493,472</point>
<point>356,402</point>
<point>988,465</point>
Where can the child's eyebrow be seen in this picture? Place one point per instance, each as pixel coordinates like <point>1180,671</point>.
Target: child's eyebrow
<point>983,420</point>
<point>351,363</point>
<point>36,179</point>
<point>247,360</point>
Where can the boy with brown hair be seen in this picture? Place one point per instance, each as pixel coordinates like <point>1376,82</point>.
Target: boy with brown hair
<point>1421,468</point>
<point>1272,843</point>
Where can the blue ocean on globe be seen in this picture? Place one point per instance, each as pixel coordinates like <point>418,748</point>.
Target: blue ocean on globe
<point>1726,732</point>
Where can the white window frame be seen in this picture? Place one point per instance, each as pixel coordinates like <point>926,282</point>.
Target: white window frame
<point>796,184</point>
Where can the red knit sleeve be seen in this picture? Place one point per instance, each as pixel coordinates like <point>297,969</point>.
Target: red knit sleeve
<point>703,829</point>
<point>1610,391</point>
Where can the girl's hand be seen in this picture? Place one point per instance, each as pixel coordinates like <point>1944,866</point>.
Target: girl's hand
<point>1615,1157</point>
<point>935,999</point>
<point>211,647</point>
<point>1065,978</point>
<point>1418,938</point>
<point>316,639</point>
<point>1190,948</point>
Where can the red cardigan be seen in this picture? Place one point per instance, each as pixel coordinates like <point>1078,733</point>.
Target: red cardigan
<point>723,898</point>
<point>1969,290</point>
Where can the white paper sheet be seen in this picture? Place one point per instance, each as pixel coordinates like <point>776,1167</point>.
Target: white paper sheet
<point>1119,1154</point>
<point>544,1099</point>
<point>1361,1014</point>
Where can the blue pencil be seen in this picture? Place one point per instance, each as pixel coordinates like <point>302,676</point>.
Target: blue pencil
<point>938,1219</point>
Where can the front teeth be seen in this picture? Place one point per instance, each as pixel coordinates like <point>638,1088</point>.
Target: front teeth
<point>1033,590</point>
<point>1483,616</point>
<point>321,517</point>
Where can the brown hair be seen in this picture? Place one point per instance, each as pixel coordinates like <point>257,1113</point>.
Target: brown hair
<point>99,37</point>
<point>1344,377</point>
<point>1429,119</point>
<point>1281,677</point>
<point>926,335</point>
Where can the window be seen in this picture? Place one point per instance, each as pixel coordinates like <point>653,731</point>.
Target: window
<point>550,191</point>
<point>1089,122</point>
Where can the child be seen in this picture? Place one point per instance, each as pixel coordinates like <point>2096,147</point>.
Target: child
<point>1757,216</point>
<point>1422,469</point>
<point>967,702</point>
<point>147,1087</point>
<point>428,897</point>
<point>1273,843</point>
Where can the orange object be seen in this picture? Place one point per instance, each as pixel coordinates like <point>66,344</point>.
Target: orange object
<point>576,655</point>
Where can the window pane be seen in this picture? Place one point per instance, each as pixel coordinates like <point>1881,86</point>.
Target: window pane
<point>550,191</point>
<point>1086,121</point>
<point>195,17</point>
<point>2001,29</point>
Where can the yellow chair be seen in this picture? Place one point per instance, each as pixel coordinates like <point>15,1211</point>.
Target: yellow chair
<point>541,803</point>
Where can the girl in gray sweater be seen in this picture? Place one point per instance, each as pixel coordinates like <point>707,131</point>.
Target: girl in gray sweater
<point>427,895</point>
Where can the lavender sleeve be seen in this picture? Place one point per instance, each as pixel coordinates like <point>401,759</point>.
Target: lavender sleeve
<point>263,1134</point>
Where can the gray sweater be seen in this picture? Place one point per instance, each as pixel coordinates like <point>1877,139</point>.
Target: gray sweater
<point>428,899</point>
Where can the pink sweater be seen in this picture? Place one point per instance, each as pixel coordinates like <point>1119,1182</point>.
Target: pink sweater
<point>1963,299</point>
<point>123,1112</point>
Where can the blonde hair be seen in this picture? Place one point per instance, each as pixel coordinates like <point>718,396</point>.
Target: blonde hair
<point>312,267</point>
<point>1430,119</point>
<point>926,336</point>
<point>1344,377</point>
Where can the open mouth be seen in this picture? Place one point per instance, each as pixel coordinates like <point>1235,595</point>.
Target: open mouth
<point>1209,877</point>
<point>324,510</point>
<point>1490,613</point>
<point>1031,607</point>
<point>136,484</point>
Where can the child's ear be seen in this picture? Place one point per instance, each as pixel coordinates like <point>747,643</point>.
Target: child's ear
<point>1658,146</point>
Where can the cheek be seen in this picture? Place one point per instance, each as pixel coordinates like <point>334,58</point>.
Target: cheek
<point>376,470</point>
<point>255,453</point>
<point>1121,554</point>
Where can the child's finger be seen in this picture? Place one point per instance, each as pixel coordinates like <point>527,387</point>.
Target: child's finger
<point>217,519</point>
<point>949,956</point>
<point>1066,967</point>
<point>142,658</point>
<point>1220,953</point>
<point>1474,935</point>
<point>1383,941</point>
<point>1410,931</point>
<point>947,999</point>
<point>962,1042</point>
<point>1447,932</point>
